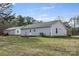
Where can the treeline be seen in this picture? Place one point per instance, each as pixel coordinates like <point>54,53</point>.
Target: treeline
<point>22,21</point>
<point>74,23</point>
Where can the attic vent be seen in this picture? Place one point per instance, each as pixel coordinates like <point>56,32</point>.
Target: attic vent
<point>17,31</point>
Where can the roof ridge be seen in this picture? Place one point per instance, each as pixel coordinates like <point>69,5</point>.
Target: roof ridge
<point>44,24</point>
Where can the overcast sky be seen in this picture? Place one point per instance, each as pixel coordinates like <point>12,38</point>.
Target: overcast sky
<point>47,11</point>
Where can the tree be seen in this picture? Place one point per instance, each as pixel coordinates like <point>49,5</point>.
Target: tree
<point>5,11</point>
<point>75,24</point>
<point>20,20</point>
<point>30,20</point>
<point>23,21</point>
<point>5,15</point>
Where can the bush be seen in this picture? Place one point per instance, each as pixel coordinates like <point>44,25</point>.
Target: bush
<point>42,34</point>
<point>5,34</point>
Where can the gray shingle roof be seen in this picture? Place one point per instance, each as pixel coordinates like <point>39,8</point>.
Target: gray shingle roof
<point>38,25</point>
<point>14,28</point>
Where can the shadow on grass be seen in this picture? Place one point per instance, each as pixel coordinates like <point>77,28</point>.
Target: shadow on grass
<point>71,38</point>
<point>63,37</point>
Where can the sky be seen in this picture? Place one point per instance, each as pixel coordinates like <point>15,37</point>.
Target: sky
<point>47,11</point>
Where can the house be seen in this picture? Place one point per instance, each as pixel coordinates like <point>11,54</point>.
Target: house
<point>52,28</point>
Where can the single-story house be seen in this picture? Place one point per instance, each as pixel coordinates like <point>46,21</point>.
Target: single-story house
<point>52,28</point>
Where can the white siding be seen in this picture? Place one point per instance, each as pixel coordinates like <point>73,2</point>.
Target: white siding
<point>48,31</point>
<point>37,31</point>
<point>11,32</point>
<point>61,29</point>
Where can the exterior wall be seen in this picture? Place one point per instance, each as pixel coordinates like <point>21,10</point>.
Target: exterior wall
<point>11,32</point>
<point>45,31</point>
<point>48,31</point>
<point>60,29</point>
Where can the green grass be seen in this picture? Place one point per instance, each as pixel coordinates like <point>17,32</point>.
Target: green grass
<point>38,46</point>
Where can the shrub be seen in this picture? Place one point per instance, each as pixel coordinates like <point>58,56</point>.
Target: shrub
<point>42,34</point>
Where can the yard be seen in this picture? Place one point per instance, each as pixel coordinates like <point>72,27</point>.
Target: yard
<point>35,46</point>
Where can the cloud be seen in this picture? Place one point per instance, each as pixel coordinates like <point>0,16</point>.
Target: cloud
<point>47,8</point>
<point>13,3</point>
<point>43,15</point>
<point>45,18</point>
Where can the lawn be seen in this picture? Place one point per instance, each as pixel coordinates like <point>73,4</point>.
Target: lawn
<point>38,46</point>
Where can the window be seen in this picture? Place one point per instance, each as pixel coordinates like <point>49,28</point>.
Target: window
<point>56,30</point>
<point>30,30</point>
<point>25,33</point>
<point>42,34</point>
<point>34,30</point>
